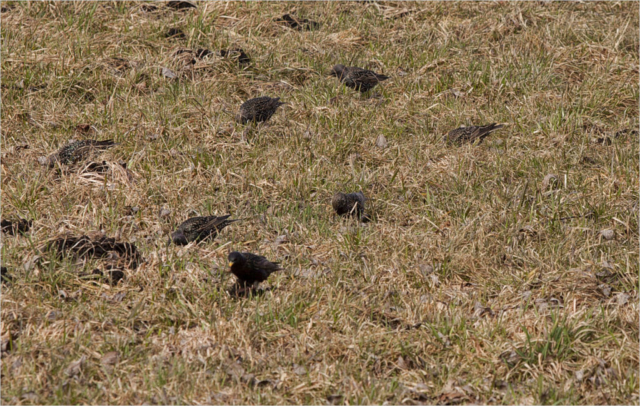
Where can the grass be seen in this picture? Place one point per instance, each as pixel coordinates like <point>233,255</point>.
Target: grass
<point>476,282</point>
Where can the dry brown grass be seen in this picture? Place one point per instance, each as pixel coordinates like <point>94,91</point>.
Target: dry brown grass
<point>477,281</point>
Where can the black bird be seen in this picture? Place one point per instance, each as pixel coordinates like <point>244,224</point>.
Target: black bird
<point>251,268</point>
<point>200,228</point>
<point>77,151</point>
<point>356,78</point>
<point>258,109</point>
<point>470,134</point>
<point>96,246</point>
<point>349,204</point>
<point>12,227</point>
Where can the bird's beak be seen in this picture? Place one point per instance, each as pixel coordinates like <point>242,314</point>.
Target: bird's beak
<point>230,264</point>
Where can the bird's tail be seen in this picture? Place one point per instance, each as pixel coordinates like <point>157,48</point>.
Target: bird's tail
<point>488,129</point>
<point>493,127</point>
<point>221,222</point>
<point>226,219</point>
<point>279,268</point>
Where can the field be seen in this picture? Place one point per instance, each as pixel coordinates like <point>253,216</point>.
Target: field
<point>504,272</point>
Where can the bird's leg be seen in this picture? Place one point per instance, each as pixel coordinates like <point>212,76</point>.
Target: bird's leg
<point>243,290</point>
<point>238,289</point>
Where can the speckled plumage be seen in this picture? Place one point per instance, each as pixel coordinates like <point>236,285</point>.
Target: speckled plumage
<point>356,78</point>
<point>251,268</point>
<point>258,109</point>
<point>100,246</point>
<point>349,204</point>
<point>470,134</point>
<point>200,228</point>
<point>77,151</point>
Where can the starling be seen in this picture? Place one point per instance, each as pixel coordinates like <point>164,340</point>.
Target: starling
<point>98,247</point>
<point>357,78</point>
<point>349,204</point>
<point>76,151</point>
<point>470,134</point>
<point>251,268</point>
<point>200,228</point>
<point>11,227</point>
<point>236,53</point>
<point>258,109</point>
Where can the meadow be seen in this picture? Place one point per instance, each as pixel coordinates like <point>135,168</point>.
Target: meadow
<point>504,272</point>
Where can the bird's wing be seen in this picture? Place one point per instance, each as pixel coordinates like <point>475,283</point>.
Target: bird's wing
<point>214,222</point>
<point>205,224</point>
<point>185,225</point>
<point>474,132</point>
<point>367,76</point>
<point>463,134</point>
<point>261,262</point>
<point>254,257</point>
<point>485,129</point>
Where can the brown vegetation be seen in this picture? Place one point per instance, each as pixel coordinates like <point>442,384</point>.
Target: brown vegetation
<point>504,272</point>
